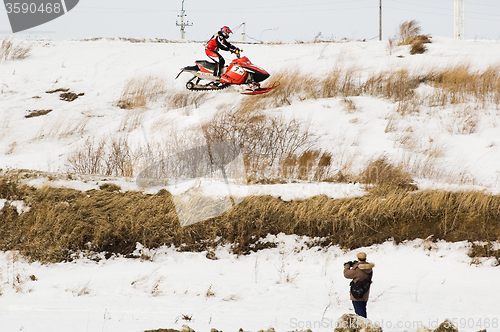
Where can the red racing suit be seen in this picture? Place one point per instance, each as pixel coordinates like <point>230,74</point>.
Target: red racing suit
<point>216,43</point>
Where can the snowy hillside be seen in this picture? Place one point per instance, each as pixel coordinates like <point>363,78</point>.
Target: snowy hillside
<point>65,95</point>
<point>101,69</point>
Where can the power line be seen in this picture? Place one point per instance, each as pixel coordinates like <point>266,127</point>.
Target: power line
<point>447,10</point>
<point>419,5</point>
<point>484,4</point>
<point>183,24</point>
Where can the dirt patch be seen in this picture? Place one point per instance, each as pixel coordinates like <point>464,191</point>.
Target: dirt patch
<point>58,90</point>
<point>70,96</point>
<point>35,113</point>
<point>66,95</point>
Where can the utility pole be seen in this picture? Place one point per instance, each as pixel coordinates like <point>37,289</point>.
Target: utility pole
<point>182,24</point>
<point>243,32</point>
<point>459,19</point>
<point>379,19</point>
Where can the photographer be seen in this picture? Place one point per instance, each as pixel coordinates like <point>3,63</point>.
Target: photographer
<point>361,274</point>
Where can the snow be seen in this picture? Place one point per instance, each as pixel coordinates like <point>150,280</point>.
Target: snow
<point>289,287</point>
<point>100,70</point>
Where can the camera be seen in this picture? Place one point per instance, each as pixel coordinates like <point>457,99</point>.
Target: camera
<point>351,263</point>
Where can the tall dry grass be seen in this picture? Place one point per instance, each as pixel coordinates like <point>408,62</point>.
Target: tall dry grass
<point>462,83</point>
<point>454,84</point>
<point>63,222</point>
<point>409,33</point>
<point>13,50</point>
<point>140,90</point>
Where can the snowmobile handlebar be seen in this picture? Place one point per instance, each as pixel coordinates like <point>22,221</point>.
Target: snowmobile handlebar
<point>238,51</point>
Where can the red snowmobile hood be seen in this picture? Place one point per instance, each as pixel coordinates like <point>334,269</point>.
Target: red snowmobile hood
<point>246,63</point>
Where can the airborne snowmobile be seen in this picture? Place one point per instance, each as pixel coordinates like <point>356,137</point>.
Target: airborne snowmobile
<point>239,72</point>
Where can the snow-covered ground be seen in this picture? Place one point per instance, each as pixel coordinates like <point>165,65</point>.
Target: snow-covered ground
<point>100,69</point>
<point>284,288</point>
<point>288,288</point>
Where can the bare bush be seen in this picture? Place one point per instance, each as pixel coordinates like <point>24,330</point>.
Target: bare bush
<point>266,141</point>
<point>119,161</point>
<point>12,50</point>
<point>89,158</point>
<point>113,157</point>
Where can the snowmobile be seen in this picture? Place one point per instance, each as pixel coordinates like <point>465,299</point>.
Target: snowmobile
<point>239,72</point>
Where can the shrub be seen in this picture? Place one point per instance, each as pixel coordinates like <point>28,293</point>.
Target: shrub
<point>88,159</point>
<point>408,32</point>
<point>106,157</point>
<point>266,141</point>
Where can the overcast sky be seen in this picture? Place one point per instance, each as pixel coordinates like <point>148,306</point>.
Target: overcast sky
<point>267,20</point>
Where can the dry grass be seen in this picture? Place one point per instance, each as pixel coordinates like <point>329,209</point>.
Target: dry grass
<point>484,250</point>
<point>132,120</point>
<point>384,176</point>
<point>349,105</point>
<point>75,128</point>
<point>418,48</point>
<point>409,33</point>
<point>464,120</point>
<point>462,83</point>
<point>396,85</point>
<point>62,222</point>
<point>341,81</point>
<point>140,90</point>
<point>454,84</point>
<point>13,50</point>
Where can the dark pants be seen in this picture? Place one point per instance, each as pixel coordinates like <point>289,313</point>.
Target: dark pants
<point>359,308</point>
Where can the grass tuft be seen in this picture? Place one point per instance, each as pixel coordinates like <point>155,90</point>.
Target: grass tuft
<point>140,90</point>
<point>12,50</point>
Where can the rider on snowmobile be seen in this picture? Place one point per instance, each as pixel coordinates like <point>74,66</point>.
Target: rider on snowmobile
<point>216,43</point>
